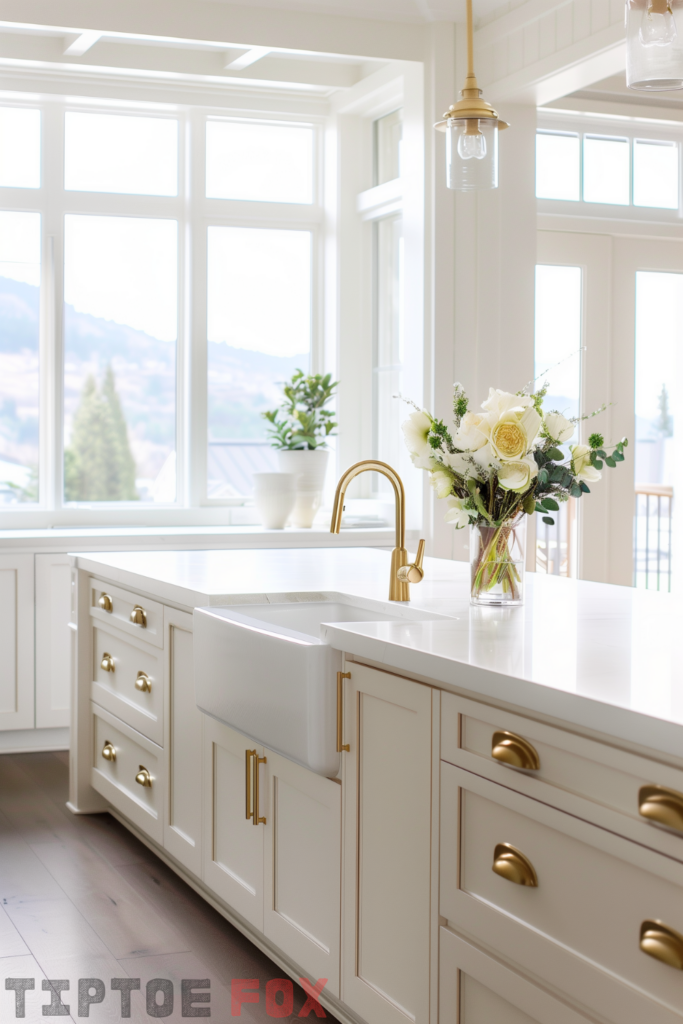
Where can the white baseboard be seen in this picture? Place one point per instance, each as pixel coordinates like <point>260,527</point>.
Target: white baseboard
<point>28,741</point>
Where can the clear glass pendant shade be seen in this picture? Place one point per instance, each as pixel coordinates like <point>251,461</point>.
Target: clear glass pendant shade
<point>654,45</point>
<point>472,153</point>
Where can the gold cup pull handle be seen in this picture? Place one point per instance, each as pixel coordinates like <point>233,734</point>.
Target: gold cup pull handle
<point>340,712</point>
<point>413,573</point>
<point>509,748</point>
<point>256,820</point>
<point>139,616</point>
<point>143,778</point>
<point>143,683</point>
<point>107,663</point>
<point>108,751</point>
<point>248,754</point>
<point>511,864</point>
<point>105,603</point>
<point>663,943</point>
<point>662,806</point>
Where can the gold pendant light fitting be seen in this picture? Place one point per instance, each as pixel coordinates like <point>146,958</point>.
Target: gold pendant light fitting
<point>471,106</point>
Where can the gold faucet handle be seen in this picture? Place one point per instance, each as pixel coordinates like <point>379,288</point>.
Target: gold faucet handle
<point>414,572</point>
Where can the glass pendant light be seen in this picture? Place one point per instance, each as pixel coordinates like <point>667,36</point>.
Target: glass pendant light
<point>471,126</point>
<point>654,46</point>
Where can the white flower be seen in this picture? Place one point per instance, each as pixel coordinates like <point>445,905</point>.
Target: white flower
<point>558,428</point>
<point>425,461</point>
<point>473,432</point>
<point>581,464</point>
<point>517,476</point>
<point>442,482</point>
<point>415,430</point>
<point>501,402</point>
<point>459,463</point>
<point>486,459</point>
<point>458,515</point>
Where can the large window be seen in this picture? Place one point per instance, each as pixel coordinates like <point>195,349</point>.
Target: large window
<point>158,276</point>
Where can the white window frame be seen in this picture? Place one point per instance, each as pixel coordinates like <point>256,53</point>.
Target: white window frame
<point>194,214</point>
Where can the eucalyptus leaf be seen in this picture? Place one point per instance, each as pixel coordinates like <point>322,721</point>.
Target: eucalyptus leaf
<point>550,504</point>
<point>555,454</point>
<point>624,441</point>
<point>543,477</point>
<point>539,507</point>
<point>576,491</point>
<point>617,456</point>
<point>598,463</point>
<point>548,520</point>
<point>609,461</point>
<point>584,487</point>
<point>557,474</point>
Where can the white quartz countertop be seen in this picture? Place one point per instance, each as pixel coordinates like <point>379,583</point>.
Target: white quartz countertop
<point>601,657</point>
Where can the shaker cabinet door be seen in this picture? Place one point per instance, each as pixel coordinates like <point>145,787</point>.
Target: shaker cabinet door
<point>233,845</point>
<point>53,640</point>
<point>183,742</point>
<point>387,784</point>
<point>17,642</point>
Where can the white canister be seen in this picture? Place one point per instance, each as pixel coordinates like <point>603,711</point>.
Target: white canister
<point>310,468</point>
<point>274,497</point>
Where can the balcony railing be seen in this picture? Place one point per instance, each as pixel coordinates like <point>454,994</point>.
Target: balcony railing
<point>652,536</point>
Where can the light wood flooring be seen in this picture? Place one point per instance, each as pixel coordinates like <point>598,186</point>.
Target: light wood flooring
<point>80,897</point>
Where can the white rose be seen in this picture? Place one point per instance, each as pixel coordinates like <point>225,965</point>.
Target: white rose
<point>442,482</point>
<point>517,476</point>
<point>415,430</point>
<point>581,464</point>
<point>513,435</point>
<point>558,428</point>
<point>501,402</point>
<point>457,515</point>
<point>473,432</point>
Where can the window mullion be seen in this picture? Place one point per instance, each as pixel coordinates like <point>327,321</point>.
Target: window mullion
<point>196,361</point>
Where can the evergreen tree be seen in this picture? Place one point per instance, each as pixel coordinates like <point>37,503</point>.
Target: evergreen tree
<point>664,422</point>
<point>99,465</point>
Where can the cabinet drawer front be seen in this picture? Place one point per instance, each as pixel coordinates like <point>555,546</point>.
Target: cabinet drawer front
<point>596,782</point>
<point>110,605</point>
<point>594,891</point>
<point>129,662</point>
<point>477,989</point>
<point>115,778</point>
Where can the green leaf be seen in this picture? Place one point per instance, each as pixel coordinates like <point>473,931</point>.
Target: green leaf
<point>548,520</point>
<point>567,480</point>
<point>576,491</point>
<point>617,456</point>
<point>550,504</point>
<point>584,487</point>
<point>598,463</point>
<point>543,477</point>
<point>624,441</point>
<point>609,461</point>
<point>601,454</point>
<point>555,454</point>
<point>557,474</point>
<point>529,504</point>
<point>539,507</point>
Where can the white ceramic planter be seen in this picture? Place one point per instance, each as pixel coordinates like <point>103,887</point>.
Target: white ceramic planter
<point>274,497</point>
<point>310,468</point>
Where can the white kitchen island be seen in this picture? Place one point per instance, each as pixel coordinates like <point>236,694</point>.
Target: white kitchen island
<point>487,749</point>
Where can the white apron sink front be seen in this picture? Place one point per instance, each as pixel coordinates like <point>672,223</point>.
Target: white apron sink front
<point>264,670</point>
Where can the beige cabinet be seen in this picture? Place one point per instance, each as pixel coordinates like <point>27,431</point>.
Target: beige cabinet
<point>183,744</point>
<point>54,639</point>
<point>283,874</point>
<point>387,786</point>
<point>16,642</point>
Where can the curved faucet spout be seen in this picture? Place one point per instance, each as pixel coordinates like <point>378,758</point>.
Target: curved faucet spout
<point>399,588</point>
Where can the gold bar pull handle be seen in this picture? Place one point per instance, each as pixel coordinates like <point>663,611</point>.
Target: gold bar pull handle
<point>661,805</point>
<point>512,864</point>
<point>509,748</point>
<point>257,761</point>
<point>663,943</point>
<point>340,711</point>
<point>248,754</point>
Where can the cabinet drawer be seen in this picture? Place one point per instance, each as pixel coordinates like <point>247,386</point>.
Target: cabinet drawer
<point>111,605</point>
<point>579,928</point>
<point>477,989</point>
<point>115,778</point>
<point>594,781</point>
<point>128,681</point>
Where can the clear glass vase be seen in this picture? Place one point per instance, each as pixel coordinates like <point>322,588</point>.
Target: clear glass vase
<point>497,557</point>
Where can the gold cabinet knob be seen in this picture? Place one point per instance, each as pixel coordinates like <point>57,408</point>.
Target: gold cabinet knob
<point>143,778</point>
<point>413,573</point>
<point>143,683</point>
<point>107,663</point>
<point>108,751</point>
<point>514,750</point>
<point>663,943</point>
<point>512,864</point>
<point>139,616</point>
<point>661,805</point>
<point>105,603</point>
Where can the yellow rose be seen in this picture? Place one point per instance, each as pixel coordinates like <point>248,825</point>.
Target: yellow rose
<point>509,440</point>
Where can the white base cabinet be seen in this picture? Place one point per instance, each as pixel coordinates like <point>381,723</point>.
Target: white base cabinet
<point>16,642</point>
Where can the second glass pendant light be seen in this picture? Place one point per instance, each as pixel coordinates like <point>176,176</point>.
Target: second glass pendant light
<point>654,45</point>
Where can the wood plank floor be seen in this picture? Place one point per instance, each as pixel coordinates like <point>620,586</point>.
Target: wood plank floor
<point>80,897</point>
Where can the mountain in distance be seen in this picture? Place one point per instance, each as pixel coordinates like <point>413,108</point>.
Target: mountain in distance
<point>242,383</point>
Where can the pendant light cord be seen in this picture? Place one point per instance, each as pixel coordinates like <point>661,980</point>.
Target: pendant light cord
<point>470,41</point>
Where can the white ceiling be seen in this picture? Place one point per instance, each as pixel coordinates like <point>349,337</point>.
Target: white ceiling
<point>419,11</point>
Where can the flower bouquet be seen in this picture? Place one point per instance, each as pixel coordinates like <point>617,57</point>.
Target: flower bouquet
<point>497,467</point>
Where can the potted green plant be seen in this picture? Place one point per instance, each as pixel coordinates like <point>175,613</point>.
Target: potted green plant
<point>300,428</point>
